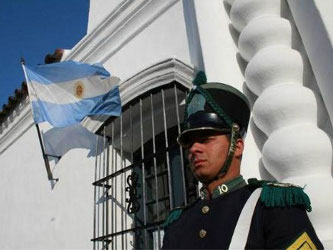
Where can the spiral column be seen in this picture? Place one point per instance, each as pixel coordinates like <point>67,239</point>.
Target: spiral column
<point>287,115</point>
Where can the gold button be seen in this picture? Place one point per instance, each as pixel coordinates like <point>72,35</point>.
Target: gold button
<point>202,233</point>
<point>205,209</point>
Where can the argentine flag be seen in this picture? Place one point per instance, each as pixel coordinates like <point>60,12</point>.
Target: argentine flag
<point>64,93</point>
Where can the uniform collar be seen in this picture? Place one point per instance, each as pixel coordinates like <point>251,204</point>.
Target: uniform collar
<point>224,188</point>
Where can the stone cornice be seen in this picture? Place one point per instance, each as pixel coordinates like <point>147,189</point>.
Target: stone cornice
<point>16,125</point>
<point>118,28</point>
<point>157,75</point>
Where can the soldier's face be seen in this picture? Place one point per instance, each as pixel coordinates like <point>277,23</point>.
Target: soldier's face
<point>207,152</point>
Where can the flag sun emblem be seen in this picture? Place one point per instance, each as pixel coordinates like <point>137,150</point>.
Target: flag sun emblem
<point>79,90</point>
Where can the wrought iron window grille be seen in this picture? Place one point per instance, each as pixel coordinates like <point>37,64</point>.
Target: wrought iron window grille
<point>140,171</point>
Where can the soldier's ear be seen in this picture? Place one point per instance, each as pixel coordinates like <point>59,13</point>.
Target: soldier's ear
<point>239,148</point>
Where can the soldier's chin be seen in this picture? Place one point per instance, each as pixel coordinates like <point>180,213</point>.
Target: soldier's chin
<point>204,179</point>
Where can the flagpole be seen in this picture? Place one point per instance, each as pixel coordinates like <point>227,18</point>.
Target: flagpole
<point>45,156</point>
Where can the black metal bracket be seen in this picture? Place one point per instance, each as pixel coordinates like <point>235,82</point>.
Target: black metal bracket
<point>133,203</point>
<point>55,156</point>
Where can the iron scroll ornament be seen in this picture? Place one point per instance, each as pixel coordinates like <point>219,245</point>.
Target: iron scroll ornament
<point>133,203</point>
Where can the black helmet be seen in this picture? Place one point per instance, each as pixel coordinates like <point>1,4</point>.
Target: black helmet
<point>215,106</point>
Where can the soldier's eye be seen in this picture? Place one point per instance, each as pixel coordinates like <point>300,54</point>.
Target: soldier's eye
<point>204,139</point>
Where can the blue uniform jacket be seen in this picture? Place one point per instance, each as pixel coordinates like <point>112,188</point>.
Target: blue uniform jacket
<point>209,224</point>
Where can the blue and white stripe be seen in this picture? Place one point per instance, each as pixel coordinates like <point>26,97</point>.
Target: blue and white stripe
<point>64,93</point>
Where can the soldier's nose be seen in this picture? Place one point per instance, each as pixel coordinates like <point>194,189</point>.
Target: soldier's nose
<point>195,147</point>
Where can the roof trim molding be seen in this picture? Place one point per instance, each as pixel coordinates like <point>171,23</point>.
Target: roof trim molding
<point>117,29</point>
<point>16,124</point>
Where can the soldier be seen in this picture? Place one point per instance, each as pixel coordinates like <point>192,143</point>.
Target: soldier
<point>232,213</point>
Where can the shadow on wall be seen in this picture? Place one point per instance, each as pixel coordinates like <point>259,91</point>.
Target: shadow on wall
<point>58,141</point>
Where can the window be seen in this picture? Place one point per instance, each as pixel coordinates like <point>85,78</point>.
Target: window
<point>141,172</point>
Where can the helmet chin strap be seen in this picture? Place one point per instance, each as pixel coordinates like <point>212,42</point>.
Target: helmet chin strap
<point>231,151</point>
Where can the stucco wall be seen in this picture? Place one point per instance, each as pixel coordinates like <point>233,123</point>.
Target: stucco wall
<point>35,215</point>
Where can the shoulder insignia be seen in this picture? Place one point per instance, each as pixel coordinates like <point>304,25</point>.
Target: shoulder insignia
<point>302,242</point>
<point>173,216</point>
<point>275,194</point>
<point>175,213</point>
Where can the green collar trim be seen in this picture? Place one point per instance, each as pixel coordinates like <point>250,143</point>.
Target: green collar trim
<point>224,188</point>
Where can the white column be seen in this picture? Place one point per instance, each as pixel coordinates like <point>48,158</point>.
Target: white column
<point>287,110</point>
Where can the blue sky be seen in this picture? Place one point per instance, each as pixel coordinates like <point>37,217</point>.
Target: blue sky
<point>32,29</point>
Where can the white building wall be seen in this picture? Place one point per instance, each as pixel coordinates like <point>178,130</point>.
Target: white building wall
<point>35,213</point>
<point>98,11</point>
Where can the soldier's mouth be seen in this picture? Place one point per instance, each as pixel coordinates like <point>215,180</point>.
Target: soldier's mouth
<point>197,162</point>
